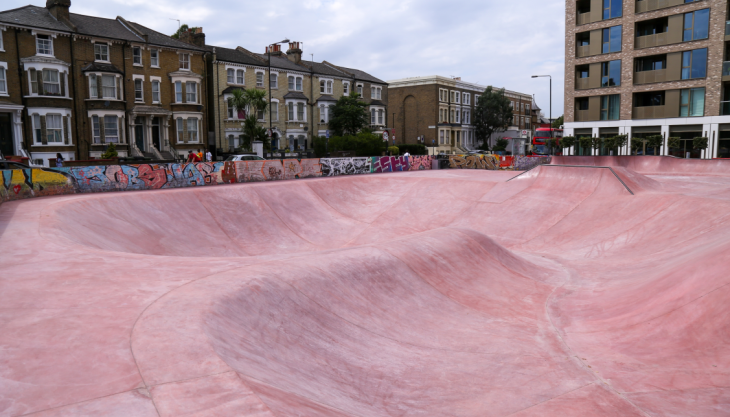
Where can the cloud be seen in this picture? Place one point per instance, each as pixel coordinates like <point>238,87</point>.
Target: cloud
<point>492,43</point>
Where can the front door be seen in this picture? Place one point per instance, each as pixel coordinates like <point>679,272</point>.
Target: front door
<point>156,133</point>
<point>6,135</point>
<point>139,133</point>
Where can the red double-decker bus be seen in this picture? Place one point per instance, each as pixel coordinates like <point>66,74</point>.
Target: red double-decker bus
<point>539,140</point>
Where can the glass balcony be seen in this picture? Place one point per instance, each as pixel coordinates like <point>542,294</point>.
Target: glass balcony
<point>726,68</point>
<point>725,108</point>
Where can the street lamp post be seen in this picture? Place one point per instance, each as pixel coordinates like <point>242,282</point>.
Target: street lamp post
<point>271,131</point>
<point>551,103</point>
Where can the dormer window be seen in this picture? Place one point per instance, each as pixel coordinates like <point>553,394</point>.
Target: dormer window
<point>44,45</point>
<point>184,61</point>
<point>101,52</point>
<point>137,55</point>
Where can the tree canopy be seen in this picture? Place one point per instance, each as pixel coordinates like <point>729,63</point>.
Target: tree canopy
<point>349,115</point>
<point>183,28</point>
<point>252,103</point>
<point>493,114</point>
<point>558,122</point>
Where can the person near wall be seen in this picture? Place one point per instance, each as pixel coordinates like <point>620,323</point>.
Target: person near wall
<point>208,157</point>
<point>193,157</point>
<point>59,160</point>
<point>200,155</point>
<point>406,155</point>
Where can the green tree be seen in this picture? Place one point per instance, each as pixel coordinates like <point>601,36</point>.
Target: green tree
<point>673,143</point>
<point>111,151</point>
<point>654,141</point>
<point>585,143</point>
<point>349,115</point>
<point>699,143</point>
<point>252,103</point>
<point>500,145</point>
<point>619,142</point>
<point>558,122</point>
<point>567,142</point>
<point>493,114</point>
<point>183,28</point>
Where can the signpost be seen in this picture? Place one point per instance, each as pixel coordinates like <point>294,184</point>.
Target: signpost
<point>385,135</point>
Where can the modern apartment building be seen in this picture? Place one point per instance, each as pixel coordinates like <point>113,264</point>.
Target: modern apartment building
<point>302,93</point>
<point>649,67</point>
<point>441,110</point>
<point>71,84</point>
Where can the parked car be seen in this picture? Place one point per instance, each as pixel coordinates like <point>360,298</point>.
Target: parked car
<point>245,157</point>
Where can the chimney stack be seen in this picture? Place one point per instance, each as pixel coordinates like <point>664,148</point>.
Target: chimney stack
<point>193,36</point>
<point>294,53</point>
<point>275,50</point>
<point>59,9</point>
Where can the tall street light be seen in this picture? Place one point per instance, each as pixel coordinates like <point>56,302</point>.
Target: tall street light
<point>551,102</point>
<point>271,131</point>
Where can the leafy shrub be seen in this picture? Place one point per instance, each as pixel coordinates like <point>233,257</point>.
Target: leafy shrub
<point>394,150</point>
<point>413,149</point>
<point>673,142</point>
<point>699,143</point>
<point>362,144</point>
<point>111,151</point>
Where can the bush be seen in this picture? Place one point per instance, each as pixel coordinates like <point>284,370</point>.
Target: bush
<point>567,142</point>
<point>673,143</point>
<point>413,149</point>
<point>500,145</point>
<point>393,150</point>
<point>111,152</point>
<point>362,144</point>
<point>699,143</point>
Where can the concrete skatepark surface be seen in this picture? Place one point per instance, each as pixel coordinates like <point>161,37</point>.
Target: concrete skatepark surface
<point>430,293</point>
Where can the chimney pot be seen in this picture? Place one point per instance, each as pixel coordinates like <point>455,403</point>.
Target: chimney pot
<point>59,8</point>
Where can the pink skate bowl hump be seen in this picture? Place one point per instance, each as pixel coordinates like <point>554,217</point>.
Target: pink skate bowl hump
<point>591,290</point>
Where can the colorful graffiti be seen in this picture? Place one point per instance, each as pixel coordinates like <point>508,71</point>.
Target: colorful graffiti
<point>477,161</point>
<point>523,163</point>
<point>23,183</point>
<point>419,163</point>
<point>345,166</point>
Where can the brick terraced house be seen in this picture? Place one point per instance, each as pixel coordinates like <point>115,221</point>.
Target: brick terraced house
<point>72,84</point>
<point>301,94</point>
<point>441,110</point>
<point>649,67</point>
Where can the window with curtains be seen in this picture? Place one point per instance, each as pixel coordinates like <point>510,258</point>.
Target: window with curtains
<point>291,111</point>
<point>611,73</point>
<point>54,128</point>
<point>300,111</point>
<point>93,88</point>
<point>191,91</point>
<point>380,116</point>
<point>178,92</point>
<point>192,129</point>
<point>692,102</point>
<point>101,52</point>
<point>108,86</point>
<point>359,89</point>
<point>155,91</point>
<point>610,107</point>
<point>231,109</point>
<point>51,83</point>
<point>372,116</point>
<point>275,111</point>
<point>452,118</point>
<point>458,116</point>
<point>322,86</point>
<point>240,79</point>
<point>299,84</point>
<point>180,130</point>
<point>694,64</point>
<point>37,132</point>
<point>137,55</point>
<point>95,129</point>
<point>154,57</point>
<point>696,25</point>
<point>138,94</point>
<point>441,137</point>
<point>231,73</point>
<point>111,129</point>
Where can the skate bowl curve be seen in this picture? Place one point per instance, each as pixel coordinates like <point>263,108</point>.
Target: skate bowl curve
<point>443,293</point>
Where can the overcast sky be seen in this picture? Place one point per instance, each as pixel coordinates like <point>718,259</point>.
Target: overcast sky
<point>500,43</point>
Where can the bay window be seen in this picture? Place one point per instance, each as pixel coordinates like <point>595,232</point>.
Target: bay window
<point>178,92</point>
<point>95,129</point>
<point>191,90</point>
<point>380,117</point>
<point>372,116</point>
<point>192,129</point>
<point>291,111</point>
<point>230,108</point>
<point>37,132</point>
<point>300,111</point>
<point>275,111</point>
<point>51,83</point>
<point>3,81</point>
<point>180,130</point>
<point>109,86</point>
<point>93,88</point>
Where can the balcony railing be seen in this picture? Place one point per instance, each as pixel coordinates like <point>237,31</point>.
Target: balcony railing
<point>648,5</point>
<point>582,116</point>
<point>582,51</point>
<point>582,83</point>
<point>648,41</point>
<point>725,108</point>
<point>646,77</point>
<point>583,18</point>
<point>649,112</point>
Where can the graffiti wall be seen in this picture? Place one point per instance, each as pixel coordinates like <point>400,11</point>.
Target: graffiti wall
<point>477,161</point>
<point>345,166</point>
<point>523,163</point>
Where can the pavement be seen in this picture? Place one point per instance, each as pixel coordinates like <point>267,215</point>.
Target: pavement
<point>567,291</point>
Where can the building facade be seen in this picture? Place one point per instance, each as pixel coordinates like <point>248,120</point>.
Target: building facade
<point>441,110</point>
<point>301,91</point>
<point>649,68</point>
<point>72,84</point>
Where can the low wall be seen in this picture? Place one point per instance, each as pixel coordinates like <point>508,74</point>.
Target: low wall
<point>493,162</point>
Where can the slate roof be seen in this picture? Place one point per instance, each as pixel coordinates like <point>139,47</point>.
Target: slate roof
<point>282,63</point>
<point>362,75</point>
<point>295,95</point>
<point>159,39</point>
<point>231,89</point>
<point>33,16</point>
<point>324,69</point>
<point>325,97</point>
<point>100,67</point>
<point>102,27</point>
<point>233,55</point>
<point>376,103</point>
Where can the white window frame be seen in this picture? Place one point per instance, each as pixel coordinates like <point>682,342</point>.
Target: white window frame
<point>2,43</point>
<point>295,117</point>
<point>176,84</point>
<point>155,62</point>
<point>230,76</point>
<point>261,84</point>
<point>43,76</point>
<point>134,56</point>
<point>50,40</point>
<point>467,99</point>
<point>184,61</point>
<point>381,117</point>
<point>372,116</point>
<point>100,84</point>
<point>275,108</point>
<point>241,76</point>
<point>101,45</point>
<point>195,92</point>
<point>96,128</point>
<point>180,129</point>
<point>3,77</point>
<point>61,129</point>
<point>140,78</point>
<point>93,86</point>
<point>346,88</point>
<point>155,81</point>
<point>274,76</point>
<point>107,134</point>
<point>197,129</point>
<point>359,87</point>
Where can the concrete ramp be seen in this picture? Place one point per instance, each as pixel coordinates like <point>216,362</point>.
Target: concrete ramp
<point>598,290</point>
